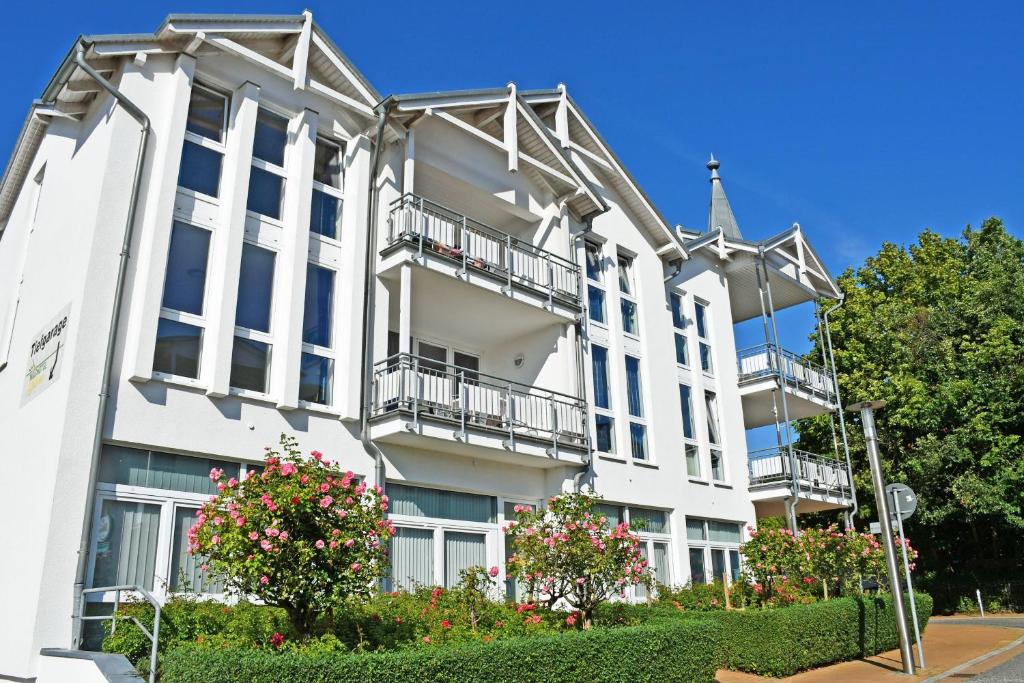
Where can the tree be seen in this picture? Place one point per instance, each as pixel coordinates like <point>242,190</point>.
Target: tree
<point>570,552</point>
<point>301,535</point>
<point>937,329</point>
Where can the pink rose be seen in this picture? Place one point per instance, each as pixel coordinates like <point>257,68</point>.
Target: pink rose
<point>326,501</point>
<point>215,540</point>
<point>264,580</point>
<point>349,543</point>
<point>253,536</point>
<point>320,544</point>
<point>356,566</point>
<point>493,572</point>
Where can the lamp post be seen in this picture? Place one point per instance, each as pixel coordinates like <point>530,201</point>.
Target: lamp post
<point>866,410</point>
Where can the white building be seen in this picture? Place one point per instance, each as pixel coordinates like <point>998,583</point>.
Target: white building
<point>464,295</point>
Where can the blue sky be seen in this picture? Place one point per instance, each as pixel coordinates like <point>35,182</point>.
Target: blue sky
<point>862,121</point>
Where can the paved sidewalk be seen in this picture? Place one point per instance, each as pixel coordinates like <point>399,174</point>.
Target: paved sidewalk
<point>949,643</point>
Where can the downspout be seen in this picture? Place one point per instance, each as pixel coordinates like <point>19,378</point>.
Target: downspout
<point>839,409</point>
<point>108,360</point>
<point>581,377</point>
<point>370,298</point>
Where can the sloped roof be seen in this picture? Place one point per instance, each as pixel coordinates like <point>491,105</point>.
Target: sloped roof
<point>720,214</point>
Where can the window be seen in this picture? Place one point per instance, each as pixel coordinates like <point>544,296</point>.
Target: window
<point>250,358</point>
<point>691,450</point>
<point>595,267</point>
<point>604,423</point>
<point>202,153</point>
<point>715,543</point>
<point>325,212</point>
<point>638,440</point>
<point>180,328</point>
<point>604,426</point>
<point>625,264</point>
<point>317,355</point>
<point>266,177</point>
<point>679,322</point>
<point>714,436</point>
<point>514,590</point>
<point>686,404</point>
<point>595,288</point>
<point>703,337</point>
<point>629,324</point>
<point>651,526</point>
<point>634,396</point>
<point>627,302</point>
<point>595,304</point>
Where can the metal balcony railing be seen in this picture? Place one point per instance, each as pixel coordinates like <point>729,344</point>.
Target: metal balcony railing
<point>814,472</point>
<point>152,635</point>
<point>431,228</point>
<point>761,361</point>
<point>428,389</point>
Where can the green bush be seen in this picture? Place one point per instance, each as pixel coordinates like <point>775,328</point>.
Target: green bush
<point>781,642</point>
<point>674,651</point>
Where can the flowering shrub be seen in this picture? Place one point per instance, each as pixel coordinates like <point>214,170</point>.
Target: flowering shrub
<point>568,553</point>
<point>821,562</point>
<point>301,535</point>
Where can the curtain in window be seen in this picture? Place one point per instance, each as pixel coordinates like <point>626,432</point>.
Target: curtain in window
<point>599,356</point>
<point>633,386</point>
<point>686,404</point>
<point>695,529</point>
<point>126,542</point>
<point>612,512</point>
<point>734,565</point>
<point>412,558</point>
<point>153,469</point>
<point>697,571</point>
<point>186,574</point>
<point>638,440</point>
<point>718,564</point>
<point>461,551</point>
<point>641,591</point>
<point>661,573</point>
<point>724,532</point>
<point>417,501</point>
<point>711,405</point>
<point>654,521</point>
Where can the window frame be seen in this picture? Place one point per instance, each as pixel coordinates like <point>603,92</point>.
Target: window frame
<point>704,341</point>
<point>690,443</point>
<point>679,327</point>
<point>713,413</point>
<point>641,420</point>
<point>706,546</point>
<point>624,268</point>
<point>596,285</point>
<point>258,335</point>
<point>269,167</point>
<point>603,411</point>
<point>648,539</point>
<point>337,193</point>
<point>219,147</point>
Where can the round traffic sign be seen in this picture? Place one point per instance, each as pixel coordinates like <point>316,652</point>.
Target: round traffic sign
<point>902,498</point>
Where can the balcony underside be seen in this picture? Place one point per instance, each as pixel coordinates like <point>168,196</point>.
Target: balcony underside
<point>756,395</point>
<point>769,500</point>
<point>437,433</point>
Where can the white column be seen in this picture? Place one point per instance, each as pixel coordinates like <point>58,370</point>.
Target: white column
<point>509,124</point>
<point>290,278</point>
<point>409,164</point>
<point>149,258</point>
<point>226,247</point>
<point>405,310</point>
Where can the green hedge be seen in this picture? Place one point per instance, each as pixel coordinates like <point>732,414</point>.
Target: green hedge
<point>682,651</point>
<point>783,641</point>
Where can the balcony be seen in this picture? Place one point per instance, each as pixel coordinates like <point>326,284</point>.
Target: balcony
<point>823,483</point>
<point>809,387</point>
<point>427,404</point>
<point>445,240</point>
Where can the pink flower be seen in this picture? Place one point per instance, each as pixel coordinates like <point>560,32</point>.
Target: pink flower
<point>445,623</point>
<point>283,536</point>
<point>320,544</point>
<point>570,620</point>
<point>304,479</point>
<point>265,544</point>
<point>215,540</point>
<point>264,580</point>
<point>349,543</point>
<point>277,640</point>
<point>426,639</point>
<point>493,572</point>
<point>253,536</point>
<point>232,482</point>
<point>216,474</point>
<point>317,455</point>
<point>356,566</point>
<point>239,521</point>
<point>217,521</point>
<point>288,469</point>
<point>326,501</point>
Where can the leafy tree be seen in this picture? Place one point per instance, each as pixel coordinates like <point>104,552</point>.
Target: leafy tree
<point>569,552</point>
<point>301,535</point>
<point>937,329</point>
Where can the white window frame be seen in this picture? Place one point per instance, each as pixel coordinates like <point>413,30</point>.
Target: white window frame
<point>632,295</point>
<point>714,412</point>
<point>598,284</point>
<point>608,412</point>
<point>280,171</point>
<point>257,335</point>
<point>325,351</point>
<point>707,545</point>
<point>691,442</point>
<point>704,340</point>
<point>648,539</point>
<point>335,192</point>
<point>680,331</point>
<point>202,141</point>
<point>638,419</point>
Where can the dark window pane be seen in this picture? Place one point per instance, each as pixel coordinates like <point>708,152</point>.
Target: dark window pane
<point>701,314</point>
<point>177,348</point>
<point>599,355</point>
<point>325,215</point>
<point>206,111</point>
<point>686,403</point>
<point>185,279</point>
<point>633,386</point>
<point>255,288</point>
<point>625,265</point>
<point>681,350</point>
<point>734,564</point>
<point>677,310</point>
<point>595,303</point>
<point>316,320</point>
<point>629,317</point>
<point>638,440</point>
<point>250,361</point>
<point>271,137</point>
<point>327,164</point>
<point>706,362</point>
<point>717,466</point>
<point>593,262</point>
<point>605,433</point>
<point>697,574</point>
<point>265,192</point>
<point>200,169</point>
<point>315,379</point>
<point>718,564</point>
<point>467,364</point>
<point>711,407</point>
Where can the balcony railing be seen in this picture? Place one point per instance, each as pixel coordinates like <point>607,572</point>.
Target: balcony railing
<point>427,389</point>
<point>761,361</point>
<point>814,472</point>
<point>431,228</point>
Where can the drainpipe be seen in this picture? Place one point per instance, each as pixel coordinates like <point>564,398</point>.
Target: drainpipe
<point>852,512</point>
<point>581,377</point>
<point>108,359</point>
<point>370,296</point>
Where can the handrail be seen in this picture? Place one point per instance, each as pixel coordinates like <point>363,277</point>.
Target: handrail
<point>428,388</point>
<point>772,466</point>
<point>432,227</point>
<point>756,362</point>
<point>154,635</point>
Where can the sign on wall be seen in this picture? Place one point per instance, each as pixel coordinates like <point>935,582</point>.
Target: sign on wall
<point>46,355</point>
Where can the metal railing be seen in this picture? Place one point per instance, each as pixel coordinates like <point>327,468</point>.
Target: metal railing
<point>428,389</point>
<point>153,635</point>
<point>814,472</point>
<point>761,361</point>
<point>431,228</point>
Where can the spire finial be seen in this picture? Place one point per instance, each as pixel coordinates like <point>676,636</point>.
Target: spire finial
<point>720,213</point>
<point>713,167</point>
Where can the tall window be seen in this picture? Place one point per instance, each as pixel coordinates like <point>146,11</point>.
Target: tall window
<point>703,337</point>
<point>595,284</point>
<point>713,545</point>
<point>202,153</point>
<point>627,298</point>
<point>679,323</point>
<point>604,423</point>
<point>634,396</point>
<point>250,358</point>
<point>179,335</point>
<point>266,177</point>
<point>317,366</point>
<point>690,447</point>
<point>652,528</point>
<point>714,436</point>
<point>325,214</point>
